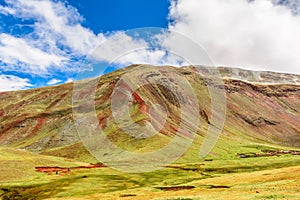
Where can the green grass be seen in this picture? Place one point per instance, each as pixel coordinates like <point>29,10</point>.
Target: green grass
<point>20,179</point>
<point>106,182</point>
<point>18,165</point>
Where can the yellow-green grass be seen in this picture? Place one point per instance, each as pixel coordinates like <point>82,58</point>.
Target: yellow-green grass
<point>109,184</point>
<point>75,151</point>
<point>18,176</point>
<point>247,178</point>
<point>268,184</point>
<point>18,166</point>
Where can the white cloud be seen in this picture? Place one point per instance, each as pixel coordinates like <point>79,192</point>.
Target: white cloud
<point>14,51</point>
<point>6,10</point>
<point>116,45</point>
<point>256,35</point>
<point>142,56</point>
<point>57,37</point>
<point>10,82</point>
<point>69,80</point>
<point>63,22</point>
<point>123,49</point>
<point>53,81</point>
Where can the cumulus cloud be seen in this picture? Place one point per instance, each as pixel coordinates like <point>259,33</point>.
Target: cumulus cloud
<point>115,45</point>
<point>56,40</point>
<point>53,81</point>
<point>6,10</point>
<point>252,34</point>
<point>10,82</point>
<point>69,80</point>
<point>124,49</point>
<point>57,21</point>
<point>15,51</point>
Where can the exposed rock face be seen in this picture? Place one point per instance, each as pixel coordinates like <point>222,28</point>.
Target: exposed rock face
<point>265,106</point>
<point>258,122</point>
<point>265,77</point>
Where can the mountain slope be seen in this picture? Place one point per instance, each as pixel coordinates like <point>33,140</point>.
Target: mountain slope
<point>41,120</point>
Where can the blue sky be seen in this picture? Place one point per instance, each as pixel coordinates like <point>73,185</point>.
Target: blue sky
<point>45,42</point>
<point>106,16</point>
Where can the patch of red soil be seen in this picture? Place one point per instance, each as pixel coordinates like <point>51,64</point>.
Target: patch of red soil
<point>13,124</point>
<point>137,98</point>
<point>40,122</point>
<point>67,169</point>
<point>102,121</point>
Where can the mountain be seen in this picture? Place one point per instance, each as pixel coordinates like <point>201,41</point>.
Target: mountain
<point>261,112</point>
<point>261,105</point>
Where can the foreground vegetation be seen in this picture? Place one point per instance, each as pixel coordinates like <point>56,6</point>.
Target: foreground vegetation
<point>221,175</point>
